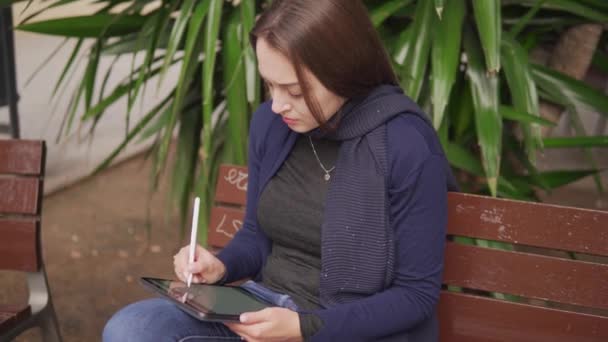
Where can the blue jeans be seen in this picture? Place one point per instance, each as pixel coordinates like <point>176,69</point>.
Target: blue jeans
<point>160,320</point>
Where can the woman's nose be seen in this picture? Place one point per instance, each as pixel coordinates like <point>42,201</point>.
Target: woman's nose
<point>279,106</point>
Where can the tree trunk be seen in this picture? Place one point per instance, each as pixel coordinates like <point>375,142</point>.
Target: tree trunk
<point>572,56</point>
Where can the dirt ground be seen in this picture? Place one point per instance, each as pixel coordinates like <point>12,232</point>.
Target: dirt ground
<point>99,236</point>
<point>103,233</point>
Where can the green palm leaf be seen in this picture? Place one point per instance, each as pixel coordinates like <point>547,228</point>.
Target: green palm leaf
<point>192,51</point>
<point>236,93</point>
<point>572,6</point>
<point>576,142</point>
<point>385,9</point>
<point>445,58</point>
<point>416,56</point>
<point>488,17</point>
<point>523,90</point>
<point>133,133</point>
<point>251,71</point>
<point>439,4</point>
<point>468,106</point>
<point>559,178</point>
<point>511,113</point>
<point>177,33</point>
<point>484,88</point>
<point>202,187</point>
<point>89,26</point>
<point>186,158</point>
<point>568,91</point>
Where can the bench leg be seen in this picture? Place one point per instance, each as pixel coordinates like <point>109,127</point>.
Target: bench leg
<point>49,326</point>
<point>42,306</point>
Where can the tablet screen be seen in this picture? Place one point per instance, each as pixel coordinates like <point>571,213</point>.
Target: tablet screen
<point>208,299</point>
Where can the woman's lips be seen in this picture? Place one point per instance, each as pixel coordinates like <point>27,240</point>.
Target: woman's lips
<point>289,121</point>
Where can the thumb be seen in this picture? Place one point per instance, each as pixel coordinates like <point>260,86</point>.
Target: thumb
<point>256,317</point>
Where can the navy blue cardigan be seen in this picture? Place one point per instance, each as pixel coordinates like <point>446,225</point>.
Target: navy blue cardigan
<point>417,195</point>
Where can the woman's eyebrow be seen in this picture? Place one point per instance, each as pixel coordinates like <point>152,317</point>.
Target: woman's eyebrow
<point>287,84</point>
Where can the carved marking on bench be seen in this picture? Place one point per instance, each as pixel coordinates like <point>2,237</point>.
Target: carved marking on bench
<point>236,225</point>
<point>237,178</point>
<point>492,216</point>
<point>502,232</point>
<point>461,208</point>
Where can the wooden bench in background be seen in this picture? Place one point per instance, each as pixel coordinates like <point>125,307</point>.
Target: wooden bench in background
<point>21,176</point>
<point>570,296</point>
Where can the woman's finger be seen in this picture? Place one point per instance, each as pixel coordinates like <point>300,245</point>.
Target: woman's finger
<point>196,267</point>
<point>238,329</point>
<point>180,262</point>
<point>179,272</point>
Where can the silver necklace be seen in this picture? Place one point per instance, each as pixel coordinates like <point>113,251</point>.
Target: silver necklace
<point>327,175</point>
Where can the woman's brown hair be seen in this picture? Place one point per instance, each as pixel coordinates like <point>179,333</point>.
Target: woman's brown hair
<point>333,39</point>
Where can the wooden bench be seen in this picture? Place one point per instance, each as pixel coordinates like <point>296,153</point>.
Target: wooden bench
<point>559,299</point>
<point>21,177</point>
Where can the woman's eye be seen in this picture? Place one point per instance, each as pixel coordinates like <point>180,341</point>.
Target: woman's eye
<point>296,95</point>
<point>268,89</point>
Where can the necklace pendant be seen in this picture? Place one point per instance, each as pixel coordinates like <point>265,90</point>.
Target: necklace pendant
<point>327,177</point>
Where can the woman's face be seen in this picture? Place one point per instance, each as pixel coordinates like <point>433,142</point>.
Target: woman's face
<point>286,91</point>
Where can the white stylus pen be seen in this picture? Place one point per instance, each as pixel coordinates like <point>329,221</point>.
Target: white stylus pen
<point>197,203</point>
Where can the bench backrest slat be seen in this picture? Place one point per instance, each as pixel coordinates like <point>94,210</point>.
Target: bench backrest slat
<point>542,276</point>
<point>527,275</point>
<point>230,197</point>
<point>231,185</point>
<point>21,178</point>
<point>467,318</point>
<point>526,223</point>
<point>224,223</point>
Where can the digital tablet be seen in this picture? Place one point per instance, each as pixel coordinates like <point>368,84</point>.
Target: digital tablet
<point>207,302</point>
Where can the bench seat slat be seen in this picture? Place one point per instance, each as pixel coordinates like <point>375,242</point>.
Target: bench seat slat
<point>468,318</point>
<point>19,195</point>
<point>528,275</point>
<point>19,245</point>
<point>527,223</point>
<point>21,157</point>
<point>10,315</point>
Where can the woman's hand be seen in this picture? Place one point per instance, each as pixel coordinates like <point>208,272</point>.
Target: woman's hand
<point>270,324</point>
<point>206,268</point>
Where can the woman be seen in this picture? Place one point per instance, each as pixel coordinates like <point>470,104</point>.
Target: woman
<point>346,202</point>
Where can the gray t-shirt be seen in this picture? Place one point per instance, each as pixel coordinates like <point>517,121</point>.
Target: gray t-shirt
<point>290,212</point>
